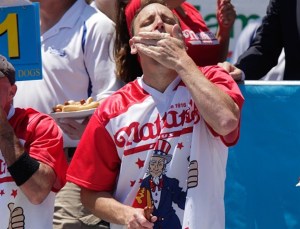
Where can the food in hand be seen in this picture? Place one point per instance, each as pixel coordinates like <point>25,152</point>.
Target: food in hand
<point>72,105</point>
<point>148,212</point>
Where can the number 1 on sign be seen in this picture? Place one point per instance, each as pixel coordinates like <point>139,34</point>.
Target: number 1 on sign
<point>10,26</point>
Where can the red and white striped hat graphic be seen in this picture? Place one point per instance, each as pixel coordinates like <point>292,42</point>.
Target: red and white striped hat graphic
<point>162,149</point>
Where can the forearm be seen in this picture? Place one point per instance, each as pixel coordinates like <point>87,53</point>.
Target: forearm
<point>223,36</point>
<point>34,178</point>
<point>214,105</point>
<point>226,15</point>
<point>104,206</point>
<point>11,148</point>
<point>38,186</point>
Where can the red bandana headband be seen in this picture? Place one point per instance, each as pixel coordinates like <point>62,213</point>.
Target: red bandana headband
<point>130,11</point>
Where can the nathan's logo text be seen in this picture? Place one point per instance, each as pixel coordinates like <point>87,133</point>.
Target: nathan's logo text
<point>137,132</point>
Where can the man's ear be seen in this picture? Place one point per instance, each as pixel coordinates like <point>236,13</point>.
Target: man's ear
<point>13,91</point>
<point>132,47</point>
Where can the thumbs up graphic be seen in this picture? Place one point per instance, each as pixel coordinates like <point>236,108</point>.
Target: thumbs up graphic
<point>193,174</point>
<point>16,218</point>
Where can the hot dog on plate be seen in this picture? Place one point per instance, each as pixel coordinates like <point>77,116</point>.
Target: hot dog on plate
<point>72,105</point>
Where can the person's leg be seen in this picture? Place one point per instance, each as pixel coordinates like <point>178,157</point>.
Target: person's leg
<point>69,212</point>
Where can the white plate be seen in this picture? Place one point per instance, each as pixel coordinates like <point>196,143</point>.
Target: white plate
<point>73,114</point>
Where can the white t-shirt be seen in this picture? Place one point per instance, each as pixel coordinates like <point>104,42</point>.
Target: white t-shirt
<point>185,143</point>
<point>14,202</point>
<point>137,127</point>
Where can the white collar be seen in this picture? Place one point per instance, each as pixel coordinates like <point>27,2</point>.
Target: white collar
<point>11,112</point>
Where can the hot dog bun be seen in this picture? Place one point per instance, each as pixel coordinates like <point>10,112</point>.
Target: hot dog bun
<point>72,105</point>
<point>76,107</point>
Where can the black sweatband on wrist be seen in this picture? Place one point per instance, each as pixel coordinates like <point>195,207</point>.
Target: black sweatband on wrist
<point>23,168</point>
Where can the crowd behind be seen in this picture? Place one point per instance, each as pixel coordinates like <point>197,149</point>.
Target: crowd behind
<point>132,57</point>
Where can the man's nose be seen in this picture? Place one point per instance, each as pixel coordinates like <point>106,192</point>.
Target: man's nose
<point>160,25</point>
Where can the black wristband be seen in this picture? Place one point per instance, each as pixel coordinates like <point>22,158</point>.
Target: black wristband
<point>23,168</point>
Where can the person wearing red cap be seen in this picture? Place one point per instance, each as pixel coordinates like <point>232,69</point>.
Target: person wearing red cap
<point>203,46</point>
<point>32,162</point>
<point>175,122</point>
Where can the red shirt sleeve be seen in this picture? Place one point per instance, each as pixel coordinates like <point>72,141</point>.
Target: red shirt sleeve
<point>98,169</point>
<point>43,141</point>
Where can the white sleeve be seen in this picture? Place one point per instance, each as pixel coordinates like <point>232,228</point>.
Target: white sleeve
<point>98,56</point>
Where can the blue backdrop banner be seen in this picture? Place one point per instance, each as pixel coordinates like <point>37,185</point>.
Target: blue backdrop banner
<point>264,167</point>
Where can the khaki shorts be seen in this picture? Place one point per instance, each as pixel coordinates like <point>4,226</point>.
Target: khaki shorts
<point>69,212</point>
